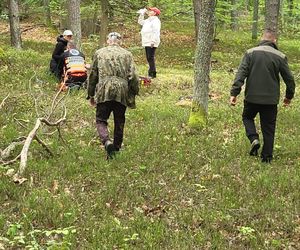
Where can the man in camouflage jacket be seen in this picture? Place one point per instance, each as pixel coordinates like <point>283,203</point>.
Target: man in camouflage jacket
<point>112,87</point>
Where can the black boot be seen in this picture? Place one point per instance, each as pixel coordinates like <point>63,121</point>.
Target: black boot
<point>110,149</point>
<point>255,145</point>
<point>152,74</point>
<point>266,159</point>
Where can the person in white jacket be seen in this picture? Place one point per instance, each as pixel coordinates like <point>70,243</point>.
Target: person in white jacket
<point>150,35</point>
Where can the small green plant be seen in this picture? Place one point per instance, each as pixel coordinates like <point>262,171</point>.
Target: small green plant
<point>36,239</point>
<point>247,232</point>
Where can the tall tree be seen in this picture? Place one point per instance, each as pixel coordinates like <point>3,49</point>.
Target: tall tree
<point>272,14</point>
<point>46,4</point>
<point>234,15</point>
<point>197,11</point>
<point>104,22</point>
<point>75,20</point>
<point>198,116</point>
<point>14,21</point>
<point>255,19</point>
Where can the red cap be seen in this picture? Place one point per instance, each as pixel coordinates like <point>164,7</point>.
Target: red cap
<point>156,10</point>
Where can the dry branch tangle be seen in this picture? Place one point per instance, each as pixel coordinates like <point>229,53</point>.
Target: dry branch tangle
<point>3,101</point>
<point>31,136</point>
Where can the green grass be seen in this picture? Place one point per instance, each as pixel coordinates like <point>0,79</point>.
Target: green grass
<point>170,187</point>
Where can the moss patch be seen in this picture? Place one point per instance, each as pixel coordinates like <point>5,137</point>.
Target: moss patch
<point>198,116</point>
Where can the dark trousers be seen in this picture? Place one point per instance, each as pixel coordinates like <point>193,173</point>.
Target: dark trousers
<point>102,114</point>
<point>150,54</point>
<point>268,115</point>
<point>54,68</point>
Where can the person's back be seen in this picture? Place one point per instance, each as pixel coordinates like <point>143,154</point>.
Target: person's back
<point>115,61</point>
<point>72,66</point>
<point>262,84</point>
<point>112,87</point>
<point>74,62</point>
<point>114,67</point>
<point>261,68</point>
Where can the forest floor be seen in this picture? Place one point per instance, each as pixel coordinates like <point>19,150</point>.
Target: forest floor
<point>170,187</point>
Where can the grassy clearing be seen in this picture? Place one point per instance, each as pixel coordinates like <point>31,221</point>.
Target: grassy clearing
<point>171,187</point>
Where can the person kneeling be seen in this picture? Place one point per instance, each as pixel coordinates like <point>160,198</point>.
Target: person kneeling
<point>72,67</point>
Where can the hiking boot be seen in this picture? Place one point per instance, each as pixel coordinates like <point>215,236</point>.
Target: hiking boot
<point>152,75</point>
<point>110,149</point>
<point>255,145</point>
<point>266,160</point>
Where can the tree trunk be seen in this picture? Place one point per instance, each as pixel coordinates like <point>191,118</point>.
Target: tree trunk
<point>234,16</point>
<point>255,19</point>
<point>197,11</point>
<point>272,14</point>
<point>75,21</point>
<point>47,12</point>
<point>198,116</point>
<point>104,22</point>
<point>14,21</point>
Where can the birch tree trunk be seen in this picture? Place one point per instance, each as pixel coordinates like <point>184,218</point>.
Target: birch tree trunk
<point>75,21</point>
<point>255,19</point>
<point>197,11</point>
<point>272,15</point>
<point>104,22</point>
<point>198,116</point>
<point>14,21</point>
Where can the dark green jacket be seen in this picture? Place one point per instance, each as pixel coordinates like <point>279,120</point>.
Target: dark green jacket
<point>261,67</point>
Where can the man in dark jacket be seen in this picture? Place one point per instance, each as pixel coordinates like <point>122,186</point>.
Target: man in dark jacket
<point>261,67</point>
<point>60,47</point>
<point>112,87</point>
<point>72,66</point>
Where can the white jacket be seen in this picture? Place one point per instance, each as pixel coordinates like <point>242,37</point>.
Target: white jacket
<point>150,31</point>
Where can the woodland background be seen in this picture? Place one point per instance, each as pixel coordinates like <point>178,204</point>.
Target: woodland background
<point>174,186</point>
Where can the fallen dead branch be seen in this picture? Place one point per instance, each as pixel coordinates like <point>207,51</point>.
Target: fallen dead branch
<point>47,120</point>
<point>3,101</point>
<point>32,135</point>
<point>5,154</point>
<point>19,141</point>
<point>6,163</point>
<point>20,122</point>
<point>44,145</point>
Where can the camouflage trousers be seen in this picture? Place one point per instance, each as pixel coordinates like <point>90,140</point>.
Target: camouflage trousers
<point>102,115</point>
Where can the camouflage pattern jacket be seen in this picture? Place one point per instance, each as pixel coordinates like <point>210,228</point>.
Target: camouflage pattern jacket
<point>113,76</point>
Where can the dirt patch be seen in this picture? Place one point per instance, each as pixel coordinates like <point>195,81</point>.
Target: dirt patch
<point>31,32</point>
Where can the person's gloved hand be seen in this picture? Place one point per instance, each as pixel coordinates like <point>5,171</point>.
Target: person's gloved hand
<point>142,11</point>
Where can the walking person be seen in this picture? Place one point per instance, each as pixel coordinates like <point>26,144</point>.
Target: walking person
<point>150,36</point>
<point>112,87</point>
<point>260,67</point>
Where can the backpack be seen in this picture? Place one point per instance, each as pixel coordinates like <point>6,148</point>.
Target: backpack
<point>75,64</point>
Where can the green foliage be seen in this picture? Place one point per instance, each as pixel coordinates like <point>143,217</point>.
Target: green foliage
<point>170,187</point>
<point>36,239</point>
<point>58,7</point>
